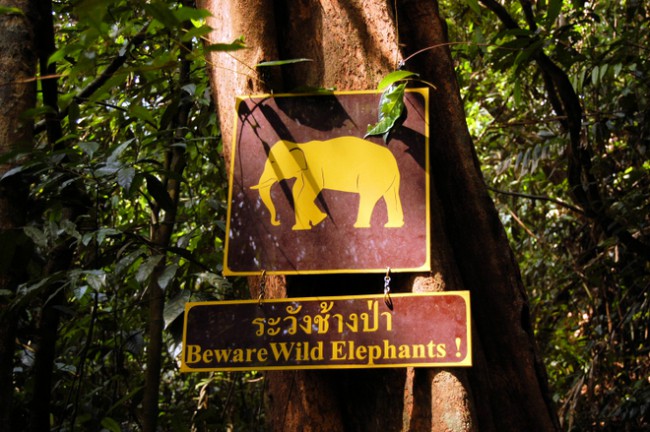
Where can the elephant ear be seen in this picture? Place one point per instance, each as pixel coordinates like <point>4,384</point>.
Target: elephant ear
<point>299,156</point>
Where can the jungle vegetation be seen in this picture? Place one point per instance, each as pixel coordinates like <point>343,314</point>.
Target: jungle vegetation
<point>114,194</point>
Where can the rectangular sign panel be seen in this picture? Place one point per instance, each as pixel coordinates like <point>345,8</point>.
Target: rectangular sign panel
<point>310,194</point>
<point>427,329</point>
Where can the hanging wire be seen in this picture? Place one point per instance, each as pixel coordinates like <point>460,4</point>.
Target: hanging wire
<point>262,288</point>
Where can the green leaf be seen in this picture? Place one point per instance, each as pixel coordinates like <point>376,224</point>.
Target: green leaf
<point>96,279</point>
<point>125,177</point>
<point>108,168</point>
<point>115,154</point>
<point>37,236</point>
<point>161,12</point>
<point>474,6</point>
<point>185,13</point>
<point>554,9</point>
<point>595,75</point>
<point>391,107</point>
<point>175,307</point>
<point>110,424</point>
<point>157,190</point>
<point>235,45</point>
<point>196,32</point>
<point>73,114</point>
<point>134,343</point>
<point>167,276</point>
<point>393,77</point>
<point>103,232</point>
<point>524,56</point>
<point>142,113</point>
<point>13,171</point>
<point>57,55</point>
<point>8,10</point>
<point>89,148</point>
<point>93,12</point>
<point>87,238</point>
<point>70,228</point>
<point>213,280</point>
<point>126,262</point>
<point>145,270</point>
<point>282,62</point>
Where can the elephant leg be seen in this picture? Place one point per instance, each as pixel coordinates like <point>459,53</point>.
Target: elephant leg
<point>304,200</point>
<point>394,207</point>
<point>367,204</point>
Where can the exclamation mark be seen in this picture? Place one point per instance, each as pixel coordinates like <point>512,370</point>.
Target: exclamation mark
<point>457,347</point>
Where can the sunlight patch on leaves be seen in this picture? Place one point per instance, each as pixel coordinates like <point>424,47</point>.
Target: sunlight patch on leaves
<point>391,107</point>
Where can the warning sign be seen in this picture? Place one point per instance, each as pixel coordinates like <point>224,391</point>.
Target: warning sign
<point>424,329</point>
<point>310,194</point>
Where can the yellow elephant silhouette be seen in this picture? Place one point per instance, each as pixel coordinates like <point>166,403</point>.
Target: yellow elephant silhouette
<point>347,164</point>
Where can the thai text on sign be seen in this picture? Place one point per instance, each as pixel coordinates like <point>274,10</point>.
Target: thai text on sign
<point>423,329</point>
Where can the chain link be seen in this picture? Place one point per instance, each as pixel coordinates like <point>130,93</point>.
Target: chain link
<point>387,299</point>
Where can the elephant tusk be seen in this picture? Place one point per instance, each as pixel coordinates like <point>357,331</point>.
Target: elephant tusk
<point>266,184</point>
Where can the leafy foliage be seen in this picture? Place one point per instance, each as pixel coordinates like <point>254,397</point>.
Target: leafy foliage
<point>391,108</point>
<point>101,189</point>
<point>99,193</point>
<point>588,288</point>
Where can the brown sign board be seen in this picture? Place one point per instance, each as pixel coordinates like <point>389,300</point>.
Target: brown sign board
<point>310,194</point>
<point>423,329</point>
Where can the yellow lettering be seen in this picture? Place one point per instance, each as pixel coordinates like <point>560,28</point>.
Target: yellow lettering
<point>207,356</point>
<point>316,352</point>
<point>431,349</point>
<point>284,350</point>
<point>404,352</point>
<point>238,355</point>
<point>442,350</point>
<point>362,352</point>
<point>262,354</point>
<point>418,351</point>
<point>374,353</point>
<point>302,351</point>
<point>193,354</point>
<point>390,350</point>
<point>222,355</point>
<point>249,354</point>
<point>337,350</point>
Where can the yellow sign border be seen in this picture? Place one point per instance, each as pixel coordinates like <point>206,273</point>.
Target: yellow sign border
<point>427,263</point>
<point>466,362</point>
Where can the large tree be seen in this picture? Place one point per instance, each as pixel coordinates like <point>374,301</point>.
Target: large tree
<point>17,94</point>
<point>353,44</point>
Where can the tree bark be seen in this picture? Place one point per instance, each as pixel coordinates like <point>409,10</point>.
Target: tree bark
<point>354,44</point>
<point>17,94</point>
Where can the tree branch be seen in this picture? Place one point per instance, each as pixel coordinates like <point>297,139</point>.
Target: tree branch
<point>538,198</point>
<point>106,74</point>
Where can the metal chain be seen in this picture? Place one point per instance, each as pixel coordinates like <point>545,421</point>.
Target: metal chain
<point>387,299</point>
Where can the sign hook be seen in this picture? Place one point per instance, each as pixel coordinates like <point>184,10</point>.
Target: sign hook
<point>387,298</point>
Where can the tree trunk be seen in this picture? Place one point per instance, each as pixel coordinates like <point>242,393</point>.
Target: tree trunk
<point>162,229</point>
<point>353,45</point>
<point>17,94</point>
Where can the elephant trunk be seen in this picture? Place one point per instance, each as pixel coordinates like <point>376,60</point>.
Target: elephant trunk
<point>265,195</point>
